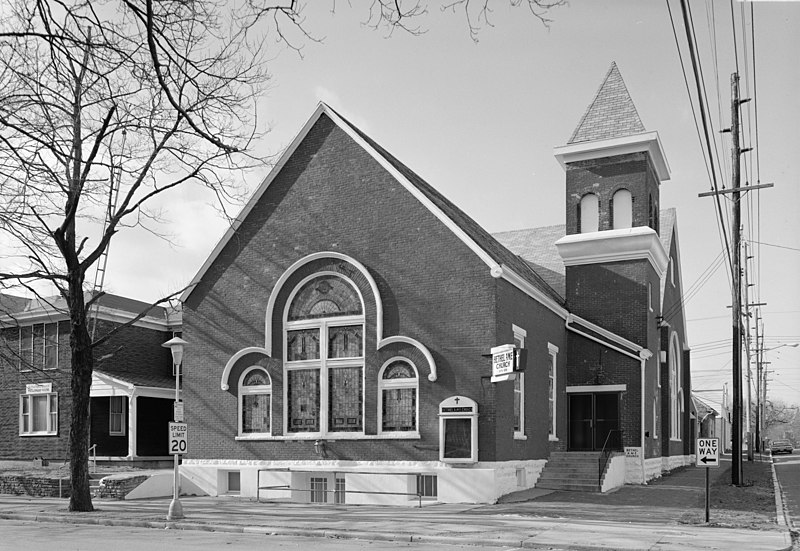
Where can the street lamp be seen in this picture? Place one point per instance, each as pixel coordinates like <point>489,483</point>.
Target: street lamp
<point>175,346</point>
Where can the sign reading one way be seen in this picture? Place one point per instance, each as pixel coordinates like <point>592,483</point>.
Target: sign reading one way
<point>708,452</point>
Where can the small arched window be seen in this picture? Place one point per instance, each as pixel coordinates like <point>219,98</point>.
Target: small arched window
<point>589,214</point>
<point>622,210</point>
<point>398,386</point>
<point>255,402</point>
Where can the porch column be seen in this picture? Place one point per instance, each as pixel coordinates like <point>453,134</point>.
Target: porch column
<point>132,415</point>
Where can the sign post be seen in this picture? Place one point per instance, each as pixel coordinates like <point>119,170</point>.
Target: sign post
<point>707,456</point>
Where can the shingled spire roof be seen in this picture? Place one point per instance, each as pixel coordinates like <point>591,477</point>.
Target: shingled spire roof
<point>611,114</point>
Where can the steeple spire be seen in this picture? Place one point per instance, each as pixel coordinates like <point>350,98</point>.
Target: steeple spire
<point>611,114</point>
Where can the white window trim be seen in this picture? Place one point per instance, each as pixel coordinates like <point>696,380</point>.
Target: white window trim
<point>649,296</point>
<point>52,427</point>
<point>675,391</point>
<point>553,354</point>
<point>123,416</point>
<point>399,383</point>
<point>520,334</point>
<point>323,364</point>
<point>249,390</point>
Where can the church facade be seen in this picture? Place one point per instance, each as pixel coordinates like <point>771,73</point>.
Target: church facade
<point>343,333</point>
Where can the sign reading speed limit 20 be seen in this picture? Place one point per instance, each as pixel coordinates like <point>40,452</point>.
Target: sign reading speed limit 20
<point>177,438</point>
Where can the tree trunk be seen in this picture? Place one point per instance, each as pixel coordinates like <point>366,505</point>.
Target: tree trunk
<point>82,364</point>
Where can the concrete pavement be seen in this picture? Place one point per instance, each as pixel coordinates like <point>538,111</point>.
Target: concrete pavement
<point>634,517</point>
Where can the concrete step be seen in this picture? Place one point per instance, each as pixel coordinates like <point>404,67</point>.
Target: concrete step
<point>570,486</point>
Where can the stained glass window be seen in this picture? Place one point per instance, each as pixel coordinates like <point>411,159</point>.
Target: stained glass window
<point>304,398</point>
<point>325,351</point>
<point>398,388</point>
<point>325,296</point>
<point>344,386</point>
<point>255,402</point>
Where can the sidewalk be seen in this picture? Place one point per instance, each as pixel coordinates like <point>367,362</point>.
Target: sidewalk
<point>634,517</point>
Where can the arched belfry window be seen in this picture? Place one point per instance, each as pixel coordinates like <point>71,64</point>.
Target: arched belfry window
<point>589,214</point>
<point>622,209</point>
<point>324,356</point>
<point>398,386</point>
<point>255,402</point>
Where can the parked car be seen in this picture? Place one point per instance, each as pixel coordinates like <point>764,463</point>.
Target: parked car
<point>780,446</point>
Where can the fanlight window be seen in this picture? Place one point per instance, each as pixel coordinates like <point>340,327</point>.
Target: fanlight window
<point>325,296</point>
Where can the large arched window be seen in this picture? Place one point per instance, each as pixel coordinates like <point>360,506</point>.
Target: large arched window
<point>398,385</point>
<point>255,402</point>
<point>622,211</point>
<point>589,214</point>
<point>675,391</point>
<point>324,356</point>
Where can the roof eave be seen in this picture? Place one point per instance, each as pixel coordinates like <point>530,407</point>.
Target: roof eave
<point>648,142</point>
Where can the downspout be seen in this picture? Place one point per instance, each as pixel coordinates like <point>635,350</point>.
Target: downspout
<point>644,355</point>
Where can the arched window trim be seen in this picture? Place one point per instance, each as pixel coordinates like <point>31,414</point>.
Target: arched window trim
<point>250,390</point>
<point>675,391</point>
<point>388,384</point>
<point>323,363</point>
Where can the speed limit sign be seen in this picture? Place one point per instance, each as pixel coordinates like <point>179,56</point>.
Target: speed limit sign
<point>177,438</point>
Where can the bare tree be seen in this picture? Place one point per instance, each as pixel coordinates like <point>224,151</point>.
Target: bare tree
<point>107,105</point>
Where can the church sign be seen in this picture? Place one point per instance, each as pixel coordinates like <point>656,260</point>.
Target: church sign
<point>507,359</point>
<point>458,430</point>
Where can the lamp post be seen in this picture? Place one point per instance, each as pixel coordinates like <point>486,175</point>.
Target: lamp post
<point>176,345</point>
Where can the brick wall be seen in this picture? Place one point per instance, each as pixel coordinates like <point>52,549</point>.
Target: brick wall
<point>606,176</point>
<point>34,486</point>
<point>332,196</point>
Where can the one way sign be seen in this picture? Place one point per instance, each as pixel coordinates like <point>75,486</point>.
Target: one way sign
<point>708,452</point>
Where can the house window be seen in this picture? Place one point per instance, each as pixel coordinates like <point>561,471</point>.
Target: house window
<point>324,357</point>
<point>339,491</point>
<point>319,489</point>
<point>519,388</point>
<point>589,214</point>
<point>398,385</point>
<point>38,414</point>
<point>427,485</point>
<point>552,389</point>
<point>622,209</point>
<point>255,402</point>
<point>116,416</point>
<point>38,347</point>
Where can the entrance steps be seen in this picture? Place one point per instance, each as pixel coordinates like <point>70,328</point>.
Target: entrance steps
<point>572,471</point>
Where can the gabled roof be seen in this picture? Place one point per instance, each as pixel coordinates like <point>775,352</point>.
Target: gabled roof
<point>502,262</point>
<point>112,307</point>
<point>135,378</point>
<point>537,247</point>
<point>611,114</point>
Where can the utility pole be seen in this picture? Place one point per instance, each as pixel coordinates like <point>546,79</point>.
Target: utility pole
<point>736,278</point>
<point>736,470</point>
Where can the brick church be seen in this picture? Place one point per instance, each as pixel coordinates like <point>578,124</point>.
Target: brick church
<point>346,334</point>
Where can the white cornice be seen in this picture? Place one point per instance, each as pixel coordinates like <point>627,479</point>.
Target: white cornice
<point>637,243</point>
<point>104,313</point>
<point>646,142</point>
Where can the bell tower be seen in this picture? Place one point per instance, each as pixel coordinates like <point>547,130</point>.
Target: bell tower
<point>613,256</point>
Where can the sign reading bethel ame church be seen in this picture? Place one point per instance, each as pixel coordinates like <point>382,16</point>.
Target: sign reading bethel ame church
<point>507,359</point>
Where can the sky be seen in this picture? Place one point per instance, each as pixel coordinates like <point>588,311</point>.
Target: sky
<point>479,121</point>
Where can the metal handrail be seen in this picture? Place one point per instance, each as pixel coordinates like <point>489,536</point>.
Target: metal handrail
<point>417,494</point>
<point>93,460</point>
<point>605,453</point>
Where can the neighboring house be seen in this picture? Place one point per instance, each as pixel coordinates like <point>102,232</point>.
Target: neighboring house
<point>707,418</point>
<point>341,333</point>
<point>133,387</point>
